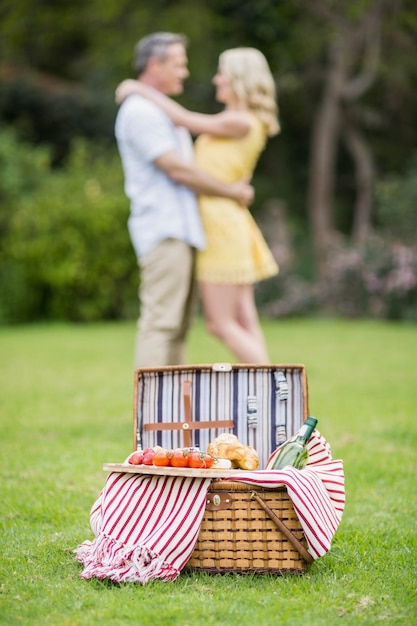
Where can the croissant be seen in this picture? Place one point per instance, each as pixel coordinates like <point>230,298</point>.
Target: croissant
<point>228,446</point>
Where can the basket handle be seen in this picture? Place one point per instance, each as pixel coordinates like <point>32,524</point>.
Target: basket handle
<point>283,528</point>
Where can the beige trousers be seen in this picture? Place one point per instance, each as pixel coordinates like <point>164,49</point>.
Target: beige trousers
<point>167,296</point>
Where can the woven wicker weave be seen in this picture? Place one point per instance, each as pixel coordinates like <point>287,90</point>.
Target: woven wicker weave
<point>238,535</point>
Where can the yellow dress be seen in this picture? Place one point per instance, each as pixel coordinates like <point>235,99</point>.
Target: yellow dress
<point>236,251</point>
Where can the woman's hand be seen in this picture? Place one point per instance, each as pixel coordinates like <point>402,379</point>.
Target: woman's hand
<point>244,192</point>
<point>127,88</point>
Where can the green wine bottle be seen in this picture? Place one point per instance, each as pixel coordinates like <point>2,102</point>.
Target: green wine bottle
<point>295,452</point>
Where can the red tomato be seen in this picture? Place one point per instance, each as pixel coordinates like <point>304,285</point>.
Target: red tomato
<point>209,460</point>
<point>200,460</point>
<point>162,458</point>
<point>136,458</point>
<point>179,457</point>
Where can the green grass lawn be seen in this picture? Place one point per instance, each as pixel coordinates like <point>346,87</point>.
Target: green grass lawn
<point>66,395</point>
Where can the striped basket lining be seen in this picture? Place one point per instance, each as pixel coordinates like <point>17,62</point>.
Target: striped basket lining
<point>221,395</point>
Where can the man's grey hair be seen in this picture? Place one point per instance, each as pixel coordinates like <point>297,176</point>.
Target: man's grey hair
<point>154,45</point>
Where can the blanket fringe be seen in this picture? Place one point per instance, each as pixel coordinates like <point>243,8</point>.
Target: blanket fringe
<point>106,558</point>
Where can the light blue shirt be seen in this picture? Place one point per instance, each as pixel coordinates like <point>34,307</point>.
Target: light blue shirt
<point>159,207</point>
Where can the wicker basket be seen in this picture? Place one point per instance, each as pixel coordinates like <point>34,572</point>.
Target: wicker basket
<point>247,529</point>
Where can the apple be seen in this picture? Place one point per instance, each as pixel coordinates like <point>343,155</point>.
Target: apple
<point>136,458</point>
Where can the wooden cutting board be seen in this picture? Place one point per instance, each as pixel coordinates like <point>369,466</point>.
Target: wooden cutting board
<point>171,471</point>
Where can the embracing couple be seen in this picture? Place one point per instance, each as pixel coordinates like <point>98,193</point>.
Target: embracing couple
<point>189,222</point>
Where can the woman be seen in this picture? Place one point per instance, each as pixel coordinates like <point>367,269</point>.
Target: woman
<point>228,147</point>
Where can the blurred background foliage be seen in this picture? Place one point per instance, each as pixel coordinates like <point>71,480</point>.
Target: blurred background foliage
<point>336,190</point>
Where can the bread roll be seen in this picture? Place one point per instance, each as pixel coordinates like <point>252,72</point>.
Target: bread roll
<point>218,448</point>
<point>228,446</point>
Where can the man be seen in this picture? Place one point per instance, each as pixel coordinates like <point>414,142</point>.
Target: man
<point>161,182</point>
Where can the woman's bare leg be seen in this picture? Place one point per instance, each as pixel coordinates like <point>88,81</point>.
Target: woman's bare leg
<point>231,316</point>
<point>248,317</point>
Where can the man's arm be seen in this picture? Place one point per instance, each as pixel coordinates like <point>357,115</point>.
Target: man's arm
<point>187,174</point>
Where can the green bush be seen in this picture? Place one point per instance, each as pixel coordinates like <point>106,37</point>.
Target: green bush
<point>66,253</point>
<point>45,108</point>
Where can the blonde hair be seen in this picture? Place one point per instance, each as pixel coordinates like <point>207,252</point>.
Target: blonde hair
<point>253,84</point>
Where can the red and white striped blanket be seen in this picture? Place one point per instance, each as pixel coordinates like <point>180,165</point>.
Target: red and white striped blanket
<point>146,526</point>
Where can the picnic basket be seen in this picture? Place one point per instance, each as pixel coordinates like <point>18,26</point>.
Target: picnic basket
<point>245,529</point>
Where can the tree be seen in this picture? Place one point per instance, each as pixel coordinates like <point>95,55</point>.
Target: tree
<point>353,57</point>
